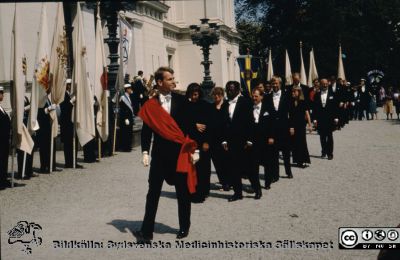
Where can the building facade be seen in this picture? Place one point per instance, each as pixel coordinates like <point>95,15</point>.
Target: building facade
<point>161,37</point>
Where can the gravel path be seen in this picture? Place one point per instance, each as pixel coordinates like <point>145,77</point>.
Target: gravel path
<point>105,202</point>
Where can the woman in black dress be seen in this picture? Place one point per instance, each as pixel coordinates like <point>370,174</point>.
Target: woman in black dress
<point>198,112</point>
<point>299,116</point>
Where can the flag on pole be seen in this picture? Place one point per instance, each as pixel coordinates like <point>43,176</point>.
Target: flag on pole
<point>340,66</point>
<point>312,72</point>
<point>58,65</point>
<point>100,84</point>
<point>125,36</point>
<point>288,70</point>
<point>249,67</point>
<point>85,127</point>
<point>40,82</point>
<point>303,79</point>
<point>270,71</point>
<point>21,139</point>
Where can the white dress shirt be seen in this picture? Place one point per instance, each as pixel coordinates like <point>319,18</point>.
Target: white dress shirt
<point>276,97</point>
<point>232,106</point>
<point>324,97</point>
<point>256,112</point>
<point>2,110</point>
<point>363,88</point>
<point>166,102</point>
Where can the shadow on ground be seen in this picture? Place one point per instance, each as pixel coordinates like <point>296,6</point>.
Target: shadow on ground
<point>134,226</point>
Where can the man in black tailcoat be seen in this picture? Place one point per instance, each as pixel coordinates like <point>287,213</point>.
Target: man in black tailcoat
<point>164,157</point>
<point>67,126</point>
<point>277,106</point>
<point>5,128</point>
<point>126,117</point>
<point>326,117</point>
<point>237,138</point>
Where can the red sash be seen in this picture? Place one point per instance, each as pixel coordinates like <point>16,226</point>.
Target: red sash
<point>163,124</point>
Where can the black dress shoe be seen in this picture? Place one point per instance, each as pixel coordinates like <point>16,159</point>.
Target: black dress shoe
<point>5,184</point>
<point>78,166</point>
<point>290,176</point>
<point>330,157</point>
<point>226,187</point>
<point>258,195</point>
<point>33,175</point>
<point>323,155</point>
<point>235,198</point>
<point>275,179</point>
<point>143,238</point>
<point>267,187</point>
<point>182,234</point>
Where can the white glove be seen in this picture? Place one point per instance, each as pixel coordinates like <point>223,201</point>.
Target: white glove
<point>27,107</point>
<point>195,156</point>
<point>73,100</point>
<point>145,159</point>
<point>52,107</point>
<point>336,120</point>
<point>126,121</point>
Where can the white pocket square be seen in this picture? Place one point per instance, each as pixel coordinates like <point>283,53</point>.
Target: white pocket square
<point>266,114</point>
<point>330,97</point>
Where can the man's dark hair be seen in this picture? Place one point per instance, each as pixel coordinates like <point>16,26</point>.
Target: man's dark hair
<point>140,73</point>
<point>234,83</point>
<point>159,74</point>
<point>194,87</point>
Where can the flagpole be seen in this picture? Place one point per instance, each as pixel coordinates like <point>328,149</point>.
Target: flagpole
<point>26,84</point>
<point>12,166</point>
<point>51,147</point>
<point>115,121</point>
<point>99,144</point>
<point>74,140</point>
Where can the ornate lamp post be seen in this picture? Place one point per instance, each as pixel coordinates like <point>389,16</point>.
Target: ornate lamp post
<point>205,35</point>
<point>109,11</point>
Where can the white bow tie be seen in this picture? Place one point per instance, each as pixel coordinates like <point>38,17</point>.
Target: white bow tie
<point>233,101</point>
<point>165,98</point>
<point>276,94</point>
<point>257,107</point>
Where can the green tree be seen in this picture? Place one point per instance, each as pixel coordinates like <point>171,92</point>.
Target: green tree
<point>368,30</point>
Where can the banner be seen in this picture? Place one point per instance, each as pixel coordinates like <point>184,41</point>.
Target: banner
<point>21,139</point>
<point>40,82</point>
<point>249,68</point>
<point>85,127</point>
<point>100,84</point>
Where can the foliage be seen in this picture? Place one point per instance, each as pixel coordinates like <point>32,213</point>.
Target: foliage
<point>368,30</point>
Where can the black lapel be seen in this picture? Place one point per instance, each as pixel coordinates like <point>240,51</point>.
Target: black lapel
<point>174,103</point>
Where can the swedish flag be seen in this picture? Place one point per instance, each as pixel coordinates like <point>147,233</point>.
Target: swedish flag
<point>249,70</point>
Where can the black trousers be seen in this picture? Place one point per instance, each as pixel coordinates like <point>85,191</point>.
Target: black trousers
<point>68,151</point>
<point>44,152</point>
<point>217,155</point>
<point>238,164</point>
<point>326,139</point>
<point>4,153</point>
<point>125,138</point>
<point>156,179</point>
<point>89,151</point>
<point>203,170</point>
<point>256,158</point>
<point>274,165</point>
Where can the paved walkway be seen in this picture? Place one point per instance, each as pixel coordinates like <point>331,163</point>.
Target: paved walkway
<point>105,202</point>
